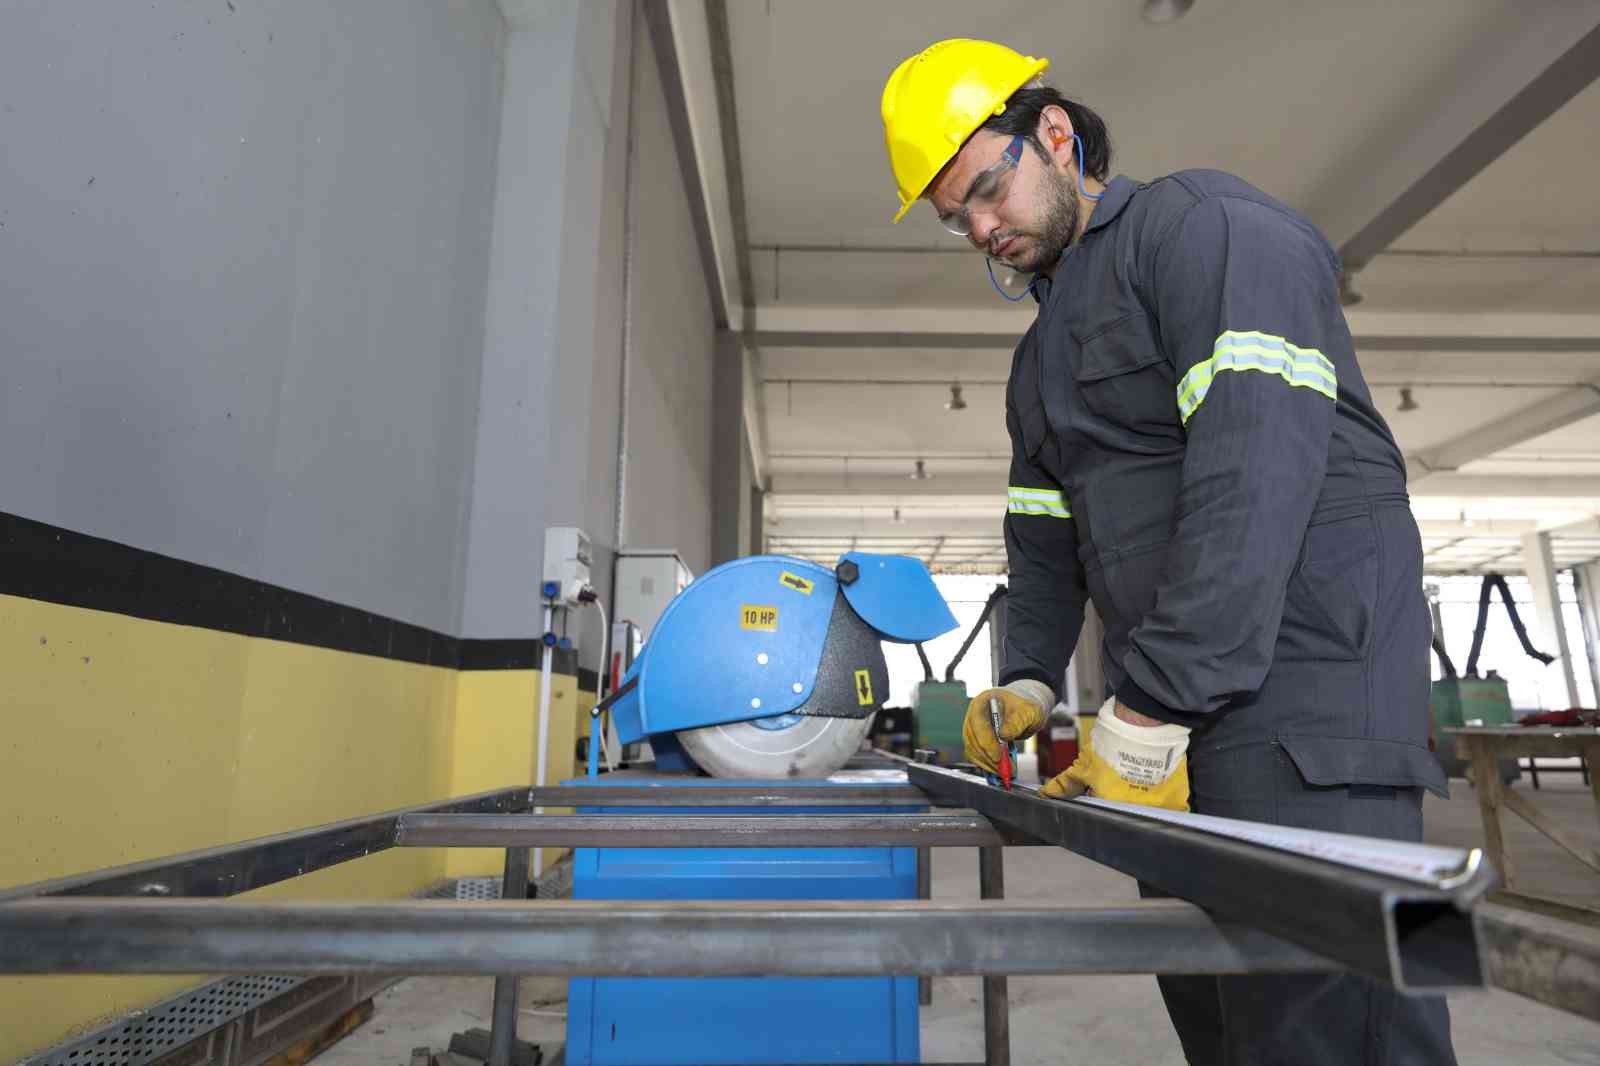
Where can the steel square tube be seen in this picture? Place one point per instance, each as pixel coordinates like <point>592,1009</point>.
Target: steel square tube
<point>233,868</point>
<point>996,991</point>
<point>924,891</point>
<point>1416,937</point>
<point>503,1014</point>
<point>637,939</point>
<point>942,829</point>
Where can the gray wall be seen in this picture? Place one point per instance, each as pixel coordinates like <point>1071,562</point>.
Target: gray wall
<point>243,254</point>
<point>329,295</point>
<point>546,439</point>
<point>670,388</point>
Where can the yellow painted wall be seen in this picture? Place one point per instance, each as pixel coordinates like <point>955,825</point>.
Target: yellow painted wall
<point>127,739</point>
<point>497,736</point>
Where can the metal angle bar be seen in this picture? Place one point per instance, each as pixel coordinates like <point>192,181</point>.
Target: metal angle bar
<point>1413,936</point>
<point>944,830</point>
<point>731,796</point>
<point>233,868</point>
<point>633,939</point>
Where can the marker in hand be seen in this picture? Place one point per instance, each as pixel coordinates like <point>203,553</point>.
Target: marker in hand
<point>1005,749</point>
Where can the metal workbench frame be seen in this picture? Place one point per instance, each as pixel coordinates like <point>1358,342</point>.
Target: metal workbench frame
<point>1245,909</point>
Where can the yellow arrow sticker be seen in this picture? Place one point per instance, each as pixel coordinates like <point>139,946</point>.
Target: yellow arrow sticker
<point>758,616</point>
<point>796,582</point>
<point>864,688</point>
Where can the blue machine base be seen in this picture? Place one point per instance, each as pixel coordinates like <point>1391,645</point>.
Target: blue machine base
<point>786,1021</point>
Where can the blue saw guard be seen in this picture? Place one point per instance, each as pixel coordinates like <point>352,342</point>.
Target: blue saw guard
<point>895,595</point>
<point>745,639</point>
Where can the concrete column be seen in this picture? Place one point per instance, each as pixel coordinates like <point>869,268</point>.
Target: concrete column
<point>730,462</point>
<point>1540,567</point>
<point>1087,672</point>
<point>758,521</point>
<point>1588,577</point>
<point>997,648</point>
<point>545,450</point>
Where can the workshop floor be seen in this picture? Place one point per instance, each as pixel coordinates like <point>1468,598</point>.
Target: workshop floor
<point>1063,1020</point>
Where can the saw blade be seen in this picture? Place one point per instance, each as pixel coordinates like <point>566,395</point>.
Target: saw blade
<point>787,745</point>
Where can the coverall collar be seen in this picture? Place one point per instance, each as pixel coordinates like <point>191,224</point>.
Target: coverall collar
<point>1118,191</point>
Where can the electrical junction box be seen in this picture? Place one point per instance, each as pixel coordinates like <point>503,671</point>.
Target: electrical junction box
<point>646,581</point>
<point>568,556</point>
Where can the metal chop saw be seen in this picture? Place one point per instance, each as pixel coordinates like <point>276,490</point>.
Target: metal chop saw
<point>769,668</point>
<point>772,667</point>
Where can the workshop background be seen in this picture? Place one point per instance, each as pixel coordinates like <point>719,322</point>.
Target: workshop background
<point>315,317</point>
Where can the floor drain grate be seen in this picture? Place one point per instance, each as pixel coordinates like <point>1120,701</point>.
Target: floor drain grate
<point>146,1035</point>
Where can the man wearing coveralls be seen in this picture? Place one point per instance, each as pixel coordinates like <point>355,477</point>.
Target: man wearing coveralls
<point>1194,450</point>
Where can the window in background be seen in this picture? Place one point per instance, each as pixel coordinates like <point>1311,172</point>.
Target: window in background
<point>966,594</point>
<point>1533,686</point>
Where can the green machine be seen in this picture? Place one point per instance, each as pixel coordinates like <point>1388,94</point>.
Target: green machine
<point>939,707</point>
<point>1455,701</point>
<point>1458,701</point>
<point>938,710</point>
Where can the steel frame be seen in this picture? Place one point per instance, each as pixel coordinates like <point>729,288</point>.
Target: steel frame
<point>1244,908</point>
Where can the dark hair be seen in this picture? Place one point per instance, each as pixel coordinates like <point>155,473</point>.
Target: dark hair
<point>1022,116</point>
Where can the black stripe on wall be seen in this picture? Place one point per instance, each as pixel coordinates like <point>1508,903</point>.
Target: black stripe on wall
<point>44,562</point>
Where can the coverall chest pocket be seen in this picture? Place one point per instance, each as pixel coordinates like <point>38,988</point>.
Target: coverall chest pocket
<point>1123,377</point>
<point>1328,614</point>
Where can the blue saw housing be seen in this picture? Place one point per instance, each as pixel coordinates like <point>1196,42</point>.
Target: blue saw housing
<point>746,639</point>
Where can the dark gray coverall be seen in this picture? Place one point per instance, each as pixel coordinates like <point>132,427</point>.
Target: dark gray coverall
<point>1195,451</point>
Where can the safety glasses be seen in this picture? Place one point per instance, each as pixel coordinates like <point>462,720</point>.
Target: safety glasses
<point>988,191</point>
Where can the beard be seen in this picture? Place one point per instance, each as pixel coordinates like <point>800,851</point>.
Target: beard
<point>1042,244</point>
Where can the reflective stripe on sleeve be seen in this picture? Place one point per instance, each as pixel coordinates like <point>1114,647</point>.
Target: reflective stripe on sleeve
<point>1047,502</point>
<point>1304,368</point>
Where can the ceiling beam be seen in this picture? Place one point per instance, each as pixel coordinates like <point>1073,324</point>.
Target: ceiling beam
<point>915,524</point>
<point>1563,409</point>
<point>681,38</point>
<point>1577,487</point>
<point>721,54</point>
<point>704,202</point>
<point>889,487</point>
<point>753,412</point>
<point>880,522</point>
<point>1510,528</point>
<point>886,489</point>
<point>784,326</point>
<point>1513,85</point>
<point>1567,526</point>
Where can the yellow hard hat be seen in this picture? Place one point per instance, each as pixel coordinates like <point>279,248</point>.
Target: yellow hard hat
<point>935,100</point>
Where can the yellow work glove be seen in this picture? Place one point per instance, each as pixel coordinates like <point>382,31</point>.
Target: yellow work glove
<point>1147,765</point>
<point>1024,706</point>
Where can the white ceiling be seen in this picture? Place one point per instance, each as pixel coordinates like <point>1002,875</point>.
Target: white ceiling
<point>1334,108</point>
<point>1246,85</point>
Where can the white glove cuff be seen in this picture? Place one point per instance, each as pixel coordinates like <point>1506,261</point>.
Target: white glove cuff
<point>1036,691</point>
<point>1142,754</point>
